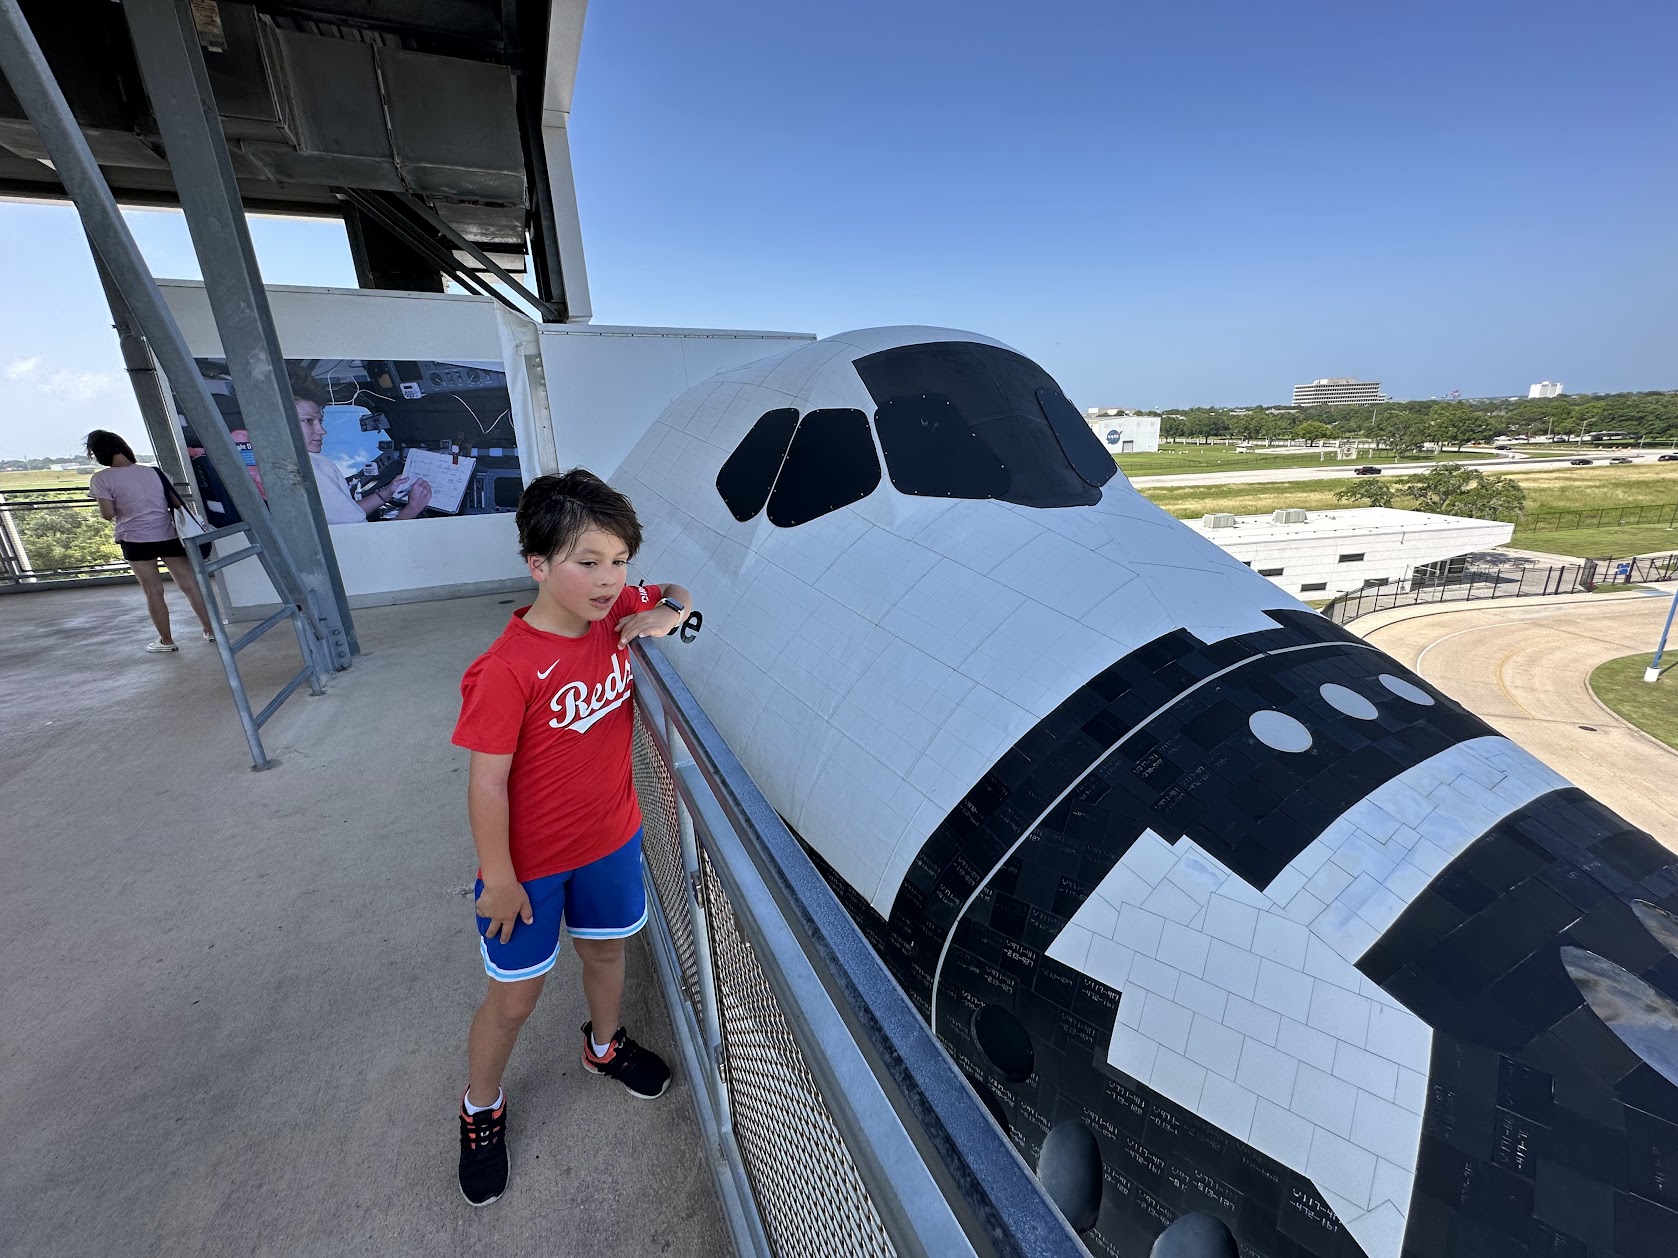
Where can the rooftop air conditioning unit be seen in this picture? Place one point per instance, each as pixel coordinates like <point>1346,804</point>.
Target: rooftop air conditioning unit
<point>1289,515</point>
<point>1222,520</point>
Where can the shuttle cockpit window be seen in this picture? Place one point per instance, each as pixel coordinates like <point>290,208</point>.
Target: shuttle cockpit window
<point>955,420</point>
<point>963,420</point>
<point>801,468</point>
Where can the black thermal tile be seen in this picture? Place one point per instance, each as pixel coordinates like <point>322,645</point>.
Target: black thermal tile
<point>1643,1228</point>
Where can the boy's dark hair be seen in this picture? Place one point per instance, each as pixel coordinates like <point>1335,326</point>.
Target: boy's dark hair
<point>555,510</point>
<point>105,446</point>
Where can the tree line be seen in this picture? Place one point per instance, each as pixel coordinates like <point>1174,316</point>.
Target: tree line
<point>1405,427</point>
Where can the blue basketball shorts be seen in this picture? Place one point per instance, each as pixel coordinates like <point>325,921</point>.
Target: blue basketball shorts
<point>606,899</point>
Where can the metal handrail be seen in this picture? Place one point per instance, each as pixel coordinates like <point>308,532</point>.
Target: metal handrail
<point>942,1176</point>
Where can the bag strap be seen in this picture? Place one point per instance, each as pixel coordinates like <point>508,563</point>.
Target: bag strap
<point>171,499</point>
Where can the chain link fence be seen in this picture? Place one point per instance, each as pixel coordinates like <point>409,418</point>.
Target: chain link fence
<point>1598,518</point>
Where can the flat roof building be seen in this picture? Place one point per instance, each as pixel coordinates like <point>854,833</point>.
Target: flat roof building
<point>1126,434</point>
<point>1318,554</point>
<point>1545,388</point>
<point>1338,391</point>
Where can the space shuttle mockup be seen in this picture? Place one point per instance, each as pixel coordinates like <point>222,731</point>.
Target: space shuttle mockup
<point>1219,907</point>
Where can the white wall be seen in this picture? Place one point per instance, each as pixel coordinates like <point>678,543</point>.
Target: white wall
<point>606,385</point>
<point>580,395</point>
<point>1142,431</point>
<point>1390,553</point>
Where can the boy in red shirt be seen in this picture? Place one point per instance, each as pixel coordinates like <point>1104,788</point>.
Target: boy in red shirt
<point>547,715</point>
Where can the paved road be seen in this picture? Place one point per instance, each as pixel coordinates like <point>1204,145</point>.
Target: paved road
<point>1336,470</point>
<point>1524,669</point>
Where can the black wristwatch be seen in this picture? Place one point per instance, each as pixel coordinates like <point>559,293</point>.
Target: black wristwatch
<point>676,607</point>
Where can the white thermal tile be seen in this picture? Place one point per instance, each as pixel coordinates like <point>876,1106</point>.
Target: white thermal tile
<point>1267,1072</point>
<point>1280,940</point>
<point>1153,976</point>
<point>1227,1104</point>
<point>1131,1051</point>
<point>1284,989</point>
<point>1365,1071</point>
<point>1387,1130</point>
<point>1098,916</point>
<point>1340,1013</point>
<point>1202,997</point>
<point>1253,1021</point>
<point>1110,962</point>
<point>1379,1232</point>
<point>1282,1134</point>
<point>1411,1092</point>
<point>1071,947</point>
<point>1324,1100</point>
<point>1172,902</point>
<point>1231,968</point>
<point>1325,963</point>
<point>1183,948</point>
<point>1178,1078</point>
<point>1150,858</point>
<point>1139,929</point>
<point>1165,1022</point>
<point>1396,1034</point>
<point>1230,921</point>
<point>1307,1043</point>
<point>1337,1165</point>
<point>1196,874</point>
<point>1392,1184</point>
<point>1215,1046</point>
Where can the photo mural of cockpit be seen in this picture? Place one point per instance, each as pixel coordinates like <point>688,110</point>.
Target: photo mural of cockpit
<point>390,439</point>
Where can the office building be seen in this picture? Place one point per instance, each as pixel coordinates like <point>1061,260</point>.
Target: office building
<point>1126,434</point>
<point>1338,391</point>
<point>1545,388</point>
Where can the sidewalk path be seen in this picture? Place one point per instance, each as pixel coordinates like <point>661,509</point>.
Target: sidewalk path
<point>1524,668</point>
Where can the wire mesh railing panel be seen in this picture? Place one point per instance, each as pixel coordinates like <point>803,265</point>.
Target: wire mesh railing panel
<point>661,849</point>
<point>809,1195</point>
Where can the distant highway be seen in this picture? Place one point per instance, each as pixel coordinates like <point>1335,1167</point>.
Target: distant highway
<point>1340,470</point>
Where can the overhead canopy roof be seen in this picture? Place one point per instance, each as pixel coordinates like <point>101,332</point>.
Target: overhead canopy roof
<point>353,108</point>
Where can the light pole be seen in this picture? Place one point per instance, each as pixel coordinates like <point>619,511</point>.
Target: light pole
<point>1653,672</point>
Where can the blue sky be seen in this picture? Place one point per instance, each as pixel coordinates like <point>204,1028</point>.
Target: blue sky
<point>1166,204</point>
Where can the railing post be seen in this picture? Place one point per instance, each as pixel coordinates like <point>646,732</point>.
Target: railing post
<point>710,1016</point>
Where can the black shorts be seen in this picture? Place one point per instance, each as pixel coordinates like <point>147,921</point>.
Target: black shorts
<point>170,549</point>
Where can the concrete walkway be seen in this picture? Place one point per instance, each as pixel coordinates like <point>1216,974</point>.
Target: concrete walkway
<point>1524,667</point>
<point>235,1003</point>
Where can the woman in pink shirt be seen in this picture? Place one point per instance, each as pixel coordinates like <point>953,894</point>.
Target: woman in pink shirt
<point>133,495</point>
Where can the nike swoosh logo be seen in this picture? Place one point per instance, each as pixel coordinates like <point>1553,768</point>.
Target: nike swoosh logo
<point>543,675</point>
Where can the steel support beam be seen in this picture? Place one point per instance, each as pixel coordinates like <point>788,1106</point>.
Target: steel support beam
<point>155,412</point>
<point>32,82</point>
<point>178,85</point>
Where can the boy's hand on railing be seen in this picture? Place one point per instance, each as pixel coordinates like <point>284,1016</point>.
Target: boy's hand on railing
<point>649,624</point>
<point>505,904</point>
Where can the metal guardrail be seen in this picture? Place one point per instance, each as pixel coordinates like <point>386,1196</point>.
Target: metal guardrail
<point>835,1121</point>
<point>51,537</point>
<point>1505,582</point>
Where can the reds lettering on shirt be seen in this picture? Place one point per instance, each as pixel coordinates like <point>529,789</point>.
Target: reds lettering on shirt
<point>579,706</point>
<point>561,708</point>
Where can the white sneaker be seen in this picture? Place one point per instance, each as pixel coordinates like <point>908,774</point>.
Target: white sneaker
<point>162,647</point>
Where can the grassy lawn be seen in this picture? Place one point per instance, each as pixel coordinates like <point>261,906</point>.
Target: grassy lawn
<point>1652,708</point>
<point>1569,490</point>
<point>11,482</point>
<point>1185,460</point>
<point>1632,539</point>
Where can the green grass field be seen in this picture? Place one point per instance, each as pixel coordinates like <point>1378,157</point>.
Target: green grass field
<point>11,482</point>
<point>1570,490</point>
<point>1630,539</point>
<point>1652,708</point>
<point>1185,460</point>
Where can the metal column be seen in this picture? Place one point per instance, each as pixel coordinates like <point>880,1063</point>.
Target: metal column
<point>32,83</point>
<point>142,375</point>
<point>178,85</point>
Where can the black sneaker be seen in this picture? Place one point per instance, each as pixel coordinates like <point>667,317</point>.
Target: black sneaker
<point>483,1154</point>
<point>639,1069</point>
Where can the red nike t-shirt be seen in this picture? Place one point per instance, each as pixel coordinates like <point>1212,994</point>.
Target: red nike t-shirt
<point>562,708</point>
